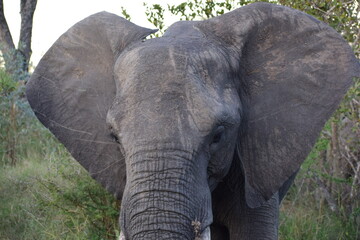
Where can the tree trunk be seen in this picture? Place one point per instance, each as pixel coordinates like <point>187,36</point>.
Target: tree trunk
<point>7,46</point>
<point>27,9</point>
<point>17,60</point>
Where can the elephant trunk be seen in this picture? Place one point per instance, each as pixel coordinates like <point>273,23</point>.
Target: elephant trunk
<point>204,236</point>
<point>166,196</point>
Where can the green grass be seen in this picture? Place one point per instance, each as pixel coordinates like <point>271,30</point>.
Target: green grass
<point>304,223</point>
<point>305,215</point>
<point>48,195</point>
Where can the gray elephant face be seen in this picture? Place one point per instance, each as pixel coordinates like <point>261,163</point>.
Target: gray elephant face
<point>252,87</point>
<point>168,93</point>
<point>179,102</point>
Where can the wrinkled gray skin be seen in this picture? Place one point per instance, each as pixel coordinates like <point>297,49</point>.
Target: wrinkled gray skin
<point>203,127</point>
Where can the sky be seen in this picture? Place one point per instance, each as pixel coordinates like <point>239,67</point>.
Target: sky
<point>53,17</point>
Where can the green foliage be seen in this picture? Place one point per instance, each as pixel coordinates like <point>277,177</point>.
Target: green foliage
<point>155,15</point>
<point>14,63</point>
<point>48,195</point>
<point>14,107</point>
<point>303,222</point>
<point>125,14</point>
<point>199,9</point>
<point>13,118</point>
<point>85,205</point>
<point>7,84</point>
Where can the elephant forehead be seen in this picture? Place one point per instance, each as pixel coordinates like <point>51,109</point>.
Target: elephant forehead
<point>163,61</point>
<point>170,82</point>
<point>149,76</point>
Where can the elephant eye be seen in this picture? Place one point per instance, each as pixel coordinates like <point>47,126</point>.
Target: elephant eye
<point>114,137</point>
<point>217,137</point>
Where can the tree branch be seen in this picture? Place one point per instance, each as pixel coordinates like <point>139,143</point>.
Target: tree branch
<point>27,9</point>
<point>6,40</point>
<point>326,194</point>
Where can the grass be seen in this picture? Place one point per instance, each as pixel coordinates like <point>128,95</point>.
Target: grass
<point>303,223</point>
<point>48,195</point>
<point>304,215</point>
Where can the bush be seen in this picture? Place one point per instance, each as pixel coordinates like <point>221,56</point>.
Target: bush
<point>15,114</point>
<point>48,195</point>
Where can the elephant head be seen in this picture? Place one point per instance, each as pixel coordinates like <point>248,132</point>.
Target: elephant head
<point>160,122</point>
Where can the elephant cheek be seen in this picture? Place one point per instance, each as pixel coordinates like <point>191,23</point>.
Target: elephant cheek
<point>165,194</point>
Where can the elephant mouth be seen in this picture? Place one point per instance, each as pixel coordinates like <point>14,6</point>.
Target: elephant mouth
<point>205,235</point>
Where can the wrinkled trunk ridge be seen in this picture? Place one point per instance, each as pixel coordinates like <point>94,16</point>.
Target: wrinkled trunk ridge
<point>159,200</point>
<point>206,235</point>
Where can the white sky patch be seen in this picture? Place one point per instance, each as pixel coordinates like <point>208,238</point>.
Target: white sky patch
<point>53,17</point>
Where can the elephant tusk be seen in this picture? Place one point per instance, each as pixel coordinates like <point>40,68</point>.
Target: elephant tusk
<point>121,237</point>
<point>206,234</point>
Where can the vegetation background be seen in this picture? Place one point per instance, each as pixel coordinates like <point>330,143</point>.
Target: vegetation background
<point>45,194</point>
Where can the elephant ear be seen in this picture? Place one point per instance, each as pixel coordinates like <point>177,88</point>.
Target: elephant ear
<point>73,87</point>
<point>293,72</point>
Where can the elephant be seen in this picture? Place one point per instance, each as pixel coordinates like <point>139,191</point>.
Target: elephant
<point>200,132</point>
